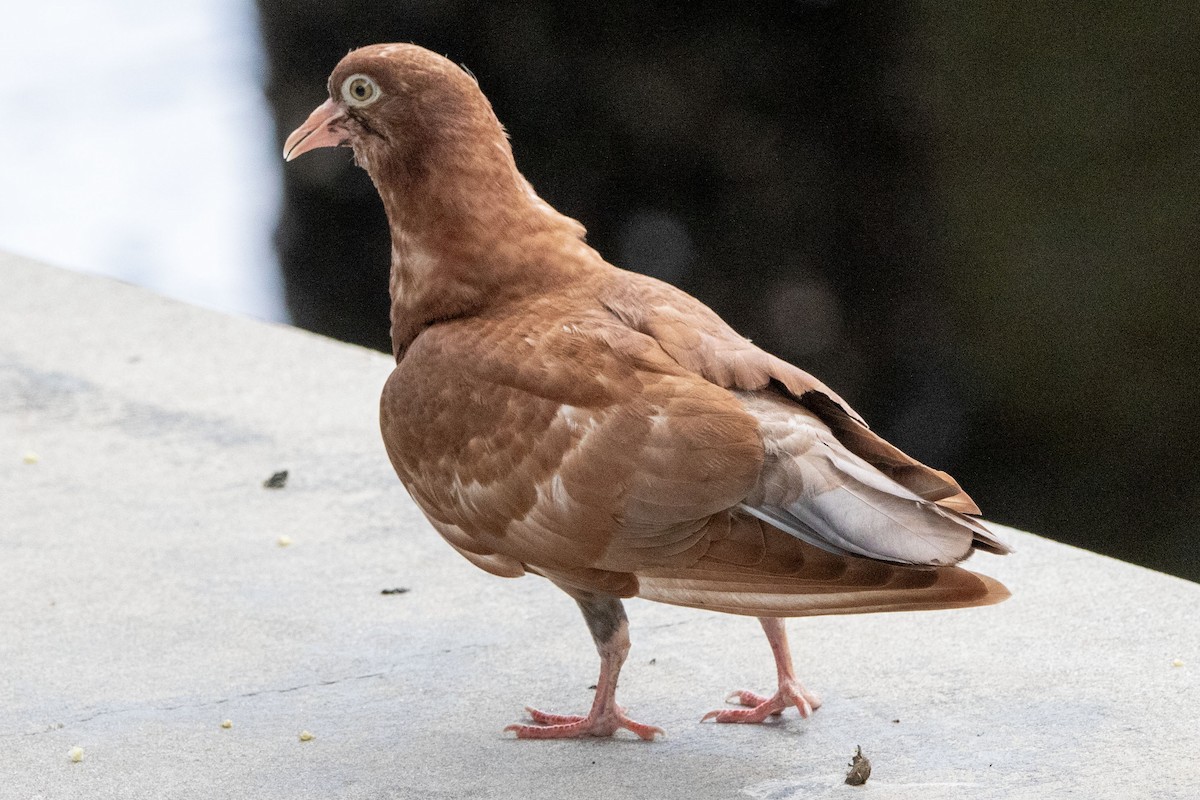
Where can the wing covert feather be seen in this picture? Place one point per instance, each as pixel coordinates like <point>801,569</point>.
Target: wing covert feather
<point>701,341</point>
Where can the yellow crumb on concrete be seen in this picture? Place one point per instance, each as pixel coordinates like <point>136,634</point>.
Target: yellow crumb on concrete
<point>305,736</point>
<point>75,754</point>
<point>1177,662</point>
<point>227,723</point>
<point>30,457</point>
<point>283,541</point>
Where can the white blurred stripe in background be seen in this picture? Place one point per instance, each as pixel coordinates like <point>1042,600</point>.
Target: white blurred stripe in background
<point>135,142</point>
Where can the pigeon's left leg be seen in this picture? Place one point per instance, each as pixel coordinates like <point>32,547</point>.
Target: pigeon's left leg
<point>790,692</point>
<point>605,617</point>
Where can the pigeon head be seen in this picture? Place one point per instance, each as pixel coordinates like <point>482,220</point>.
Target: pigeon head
<point>465,224</point>
<point>402,108</point>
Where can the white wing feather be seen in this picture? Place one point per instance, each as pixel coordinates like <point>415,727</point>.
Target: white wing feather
<point>815,489</point>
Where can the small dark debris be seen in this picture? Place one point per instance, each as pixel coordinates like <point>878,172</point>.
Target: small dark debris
<point>276,481</point>
<point>896,721</point>
<point>397,590</point>
<point>592,687</point>
<point>653,661</point>
<point>860,768</point>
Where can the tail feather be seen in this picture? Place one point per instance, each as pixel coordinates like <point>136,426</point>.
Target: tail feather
<point>745,591</point>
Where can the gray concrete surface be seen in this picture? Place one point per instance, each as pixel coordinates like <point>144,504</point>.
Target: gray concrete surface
<point>144,599</point>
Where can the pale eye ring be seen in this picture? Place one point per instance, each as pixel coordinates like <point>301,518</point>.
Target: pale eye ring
<point>359,90</point>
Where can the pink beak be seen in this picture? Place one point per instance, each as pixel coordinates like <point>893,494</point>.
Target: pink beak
<point>325,127</point>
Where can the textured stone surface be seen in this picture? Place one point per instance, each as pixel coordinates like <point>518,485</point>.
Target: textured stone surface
<point>145,598</point>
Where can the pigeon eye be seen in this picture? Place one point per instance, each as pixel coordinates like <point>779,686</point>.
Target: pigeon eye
<point>359,91</point>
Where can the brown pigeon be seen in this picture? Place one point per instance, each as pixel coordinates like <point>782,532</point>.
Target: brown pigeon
<point>551,413</point>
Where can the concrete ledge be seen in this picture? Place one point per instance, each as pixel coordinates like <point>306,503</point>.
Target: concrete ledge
<point>144,598</point>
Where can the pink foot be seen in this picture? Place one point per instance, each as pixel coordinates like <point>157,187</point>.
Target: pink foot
<point>790,693</point>
<point>574,726</point>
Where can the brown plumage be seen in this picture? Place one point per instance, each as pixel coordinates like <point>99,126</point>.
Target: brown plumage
<point>553,414</point>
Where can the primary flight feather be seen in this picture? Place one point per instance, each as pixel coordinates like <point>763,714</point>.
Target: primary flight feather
<point>553,414</point>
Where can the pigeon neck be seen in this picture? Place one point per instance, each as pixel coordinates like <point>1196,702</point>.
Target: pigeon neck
<point>463,240</point>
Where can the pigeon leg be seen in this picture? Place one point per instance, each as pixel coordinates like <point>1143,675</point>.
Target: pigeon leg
<point>605,617</point>
<point>790,693</point>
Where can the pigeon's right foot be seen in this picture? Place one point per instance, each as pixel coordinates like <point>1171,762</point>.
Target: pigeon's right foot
<point>790,693</point>
<point>604,722</point>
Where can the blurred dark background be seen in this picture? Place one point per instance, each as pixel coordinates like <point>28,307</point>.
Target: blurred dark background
<point>978,224</point>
